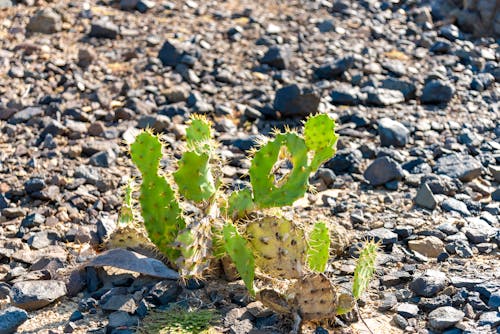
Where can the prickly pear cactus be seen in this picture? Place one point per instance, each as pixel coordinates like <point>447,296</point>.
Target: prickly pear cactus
<point>240,203</point>
<point>126,216</point>
<point>319,141</point>
<point>318,251</point>
<point>365,268</point>
<point>278,245</point>
<point>314,297</point>
<point>194,175</point>
<point>242,256</point>
<point>159,207</point>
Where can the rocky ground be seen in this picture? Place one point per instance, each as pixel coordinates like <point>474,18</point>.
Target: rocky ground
<point>418,163</point>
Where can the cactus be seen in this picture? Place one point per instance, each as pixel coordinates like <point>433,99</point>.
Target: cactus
<point>236,247</point>
<point>194,175</point>
<point>278,245</point>
<point>240,203</point>
<point>195,245</point>
<point>126,216</point>
<point>320,138</point>
<point>365,268</point>
<point>319,248</point>
<point>315,297</point>
<point>159,206</point>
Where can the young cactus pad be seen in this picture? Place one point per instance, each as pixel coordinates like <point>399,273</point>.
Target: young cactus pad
<point>320,138</point>
<point>241,254</point>
<point>319,248</point>
<point>126,216</point>
<point>194,175</point>
<point>365,268</point>
<point>279,246</point>
<point>159,206</point>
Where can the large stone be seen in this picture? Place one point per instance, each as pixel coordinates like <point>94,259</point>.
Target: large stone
<point>429,246</point>
<point>392,133</point>
<point>463,167</point>
<point>103,29</point>
<point>345,95</point>
<point>436,92</point>
<point>45,21</point>
<point>334,69</point>
<point>383,97</point>
<point>429,283</point>
<point>425,198</point>
<point>170,54</point>
<point>11,318</point>
<point>278,57</point>
<point>383,170</point>
<point>33,295</point>
<point>445,317</point>
<point>295,100</point>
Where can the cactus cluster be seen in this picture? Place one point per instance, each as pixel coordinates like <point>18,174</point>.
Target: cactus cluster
<point>247,225</point>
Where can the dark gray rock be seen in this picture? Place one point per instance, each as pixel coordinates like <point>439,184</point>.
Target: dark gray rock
<point>278,57</point>
<point>429,283</point>
<point>128,4</point>
<point>463,167</point>
<point>124,303</point>
<point>144,5</point>
<point>407,88</point>
<point>34,184</point>
<point>295,100</point>
<point>103,159</point>
<point>326,26</point>
<point>451,32</point>
<point>392,133</point>
<point>385,236</point>
<point>25,115</point>
<point>11,318</point>
<point>430,304</point>
<point>382,97</point>
<point>45,21</point>
<point>441,46</point>
<point>345,161</point>
<point>33,295</point>
<point>445,317</point>
<point>104,29</point>
<point>32,220</point>
<point>122,319</point>
<point>131,261</point>
<point>170,54</point>
<point>334,69</point>
<point>494,301</point>
<point>165,292</point>
<point>436,92</point>
<point>482,81</point>
<point>442,184</point>
<point>383,170</point>
<point>407,310</point>
<point>425,198</point>
<point>496,195</point>
<point>345,95</point>
<point>451,204</point>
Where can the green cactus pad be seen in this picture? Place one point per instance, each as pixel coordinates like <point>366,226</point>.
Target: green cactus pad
<point>320,137</point>
<point>279,246</point>
<point>240,203</point>
<point>241,254</point>
<point>315,297</point>
<point>126,216</point>
<point>318,251</point>
<point>198,131</point>
<point>159,206</point>
<point>194,176</point>
<point>365,268</point>
<point>269,193</point>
